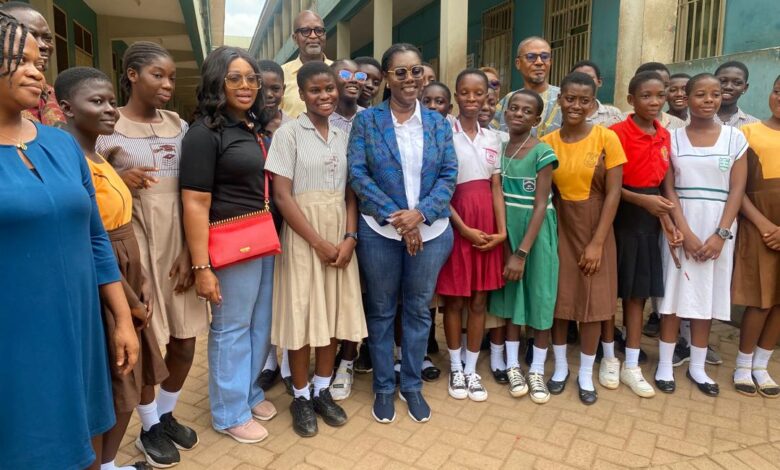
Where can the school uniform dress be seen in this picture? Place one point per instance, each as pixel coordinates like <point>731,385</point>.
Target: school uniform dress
<point>467,269</point>
<point>344,123</point>
<point>157,218</point>
<point>55,389</point>
<point>531,300</point>
<point>637,232</point>
<point>314,302</point>
<point>580,188</point>
<point>756,281</point>
<point>702,290</point>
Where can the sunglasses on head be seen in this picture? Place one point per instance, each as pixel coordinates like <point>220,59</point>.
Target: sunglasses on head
<point>235,81</point>
<point>306,32</point>
<point>401,73</point>
<point>346,75</point>
<point>532,57</point>
<point>494,84</point>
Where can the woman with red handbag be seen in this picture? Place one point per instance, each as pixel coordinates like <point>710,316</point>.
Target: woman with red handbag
<point>226,221</point>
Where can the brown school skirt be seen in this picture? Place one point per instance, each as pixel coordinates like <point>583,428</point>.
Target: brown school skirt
<point>150,368</point>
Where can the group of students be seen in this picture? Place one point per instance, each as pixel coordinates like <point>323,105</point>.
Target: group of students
<point>383,211</point>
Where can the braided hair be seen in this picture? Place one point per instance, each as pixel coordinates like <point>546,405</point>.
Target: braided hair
<point>138,56</point>
<point>10,56</point>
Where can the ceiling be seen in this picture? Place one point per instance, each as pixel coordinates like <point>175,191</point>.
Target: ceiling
<point>169,10</point>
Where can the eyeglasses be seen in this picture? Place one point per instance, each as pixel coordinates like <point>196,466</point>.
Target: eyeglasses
<point>494,84</point>
<point>401,73</point>
<point>235,81</point>
<point>532,57</point>
<point>306,32</point>
<point>346,75</point>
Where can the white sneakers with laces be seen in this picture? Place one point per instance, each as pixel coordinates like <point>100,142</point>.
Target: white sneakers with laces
<point>609,373</point>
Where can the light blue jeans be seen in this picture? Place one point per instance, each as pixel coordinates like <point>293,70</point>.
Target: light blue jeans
<point>239,339</point>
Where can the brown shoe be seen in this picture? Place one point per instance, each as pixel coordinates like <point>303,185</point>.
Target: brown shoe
<point>264,411</point>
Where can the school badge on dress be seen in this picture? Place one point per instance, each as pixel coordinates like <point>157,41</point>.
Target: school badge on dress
<point>529,185</point>
<point>591,159</point>
<point>491,155</point>
<point>724,163</point>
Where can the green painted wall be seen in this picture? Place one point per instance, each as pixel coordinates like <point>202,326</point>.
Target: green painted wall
<point>422,30</point>
<point>77,10</point>
<point>367,50</point>
<point>603,43</point>
<point>750,27</point>
<point>528,21</point>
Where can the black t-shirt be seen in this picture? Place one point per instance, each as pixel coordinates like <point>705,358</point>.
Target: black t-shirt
<point>228,164</point>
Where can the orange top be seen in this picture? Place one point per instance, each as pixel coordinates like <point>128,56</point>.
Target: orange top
<point>764,141</point>
<point>113,197</point>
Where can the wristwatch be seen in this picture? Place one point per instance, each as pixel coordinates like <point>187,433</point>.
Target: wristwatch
<point>352,235</point>
<point>520,253</point>
<point>724,233</point>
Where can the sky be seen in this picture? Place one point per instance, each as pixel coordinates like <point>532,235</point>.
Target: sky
<point>241,16</point>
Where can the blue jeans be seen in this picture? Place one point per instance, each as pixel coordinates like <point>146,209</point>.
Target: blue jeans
<point>390,274</point>
<point>239,339</point>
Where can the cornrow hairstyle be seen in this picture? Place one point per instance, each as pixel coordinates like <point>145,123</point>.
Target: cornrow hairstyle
<point>367,60</point>
<point>269,66</point>
<point>578,78</point>
<point>734,64</point>
<point>137,56</point>
<point>444,87</point>
<point>532,94</point>
<point>695,79</point>
<point>680,75</point>
<point>652,67</point>
<point>72,79</point>
<point>10,56</point>
<point>310,69</point>
<point>641,78</point>
<point>471,71</point>
<point>587,63</point>
<point>212,102</point>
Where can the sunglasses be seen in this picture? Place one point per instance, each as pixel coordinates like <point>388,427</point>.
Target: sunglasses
<point>306,32</point>
<point>532,57</point>
<point>401,73</point>
<point>235,81</point>
<point>494,84</point>
<point>346,75</point>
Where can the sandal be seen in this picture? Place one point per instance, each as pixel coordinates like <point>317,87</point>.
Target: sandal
<point>768,389</point>
<point>745,386</point>
<point>430,373</point>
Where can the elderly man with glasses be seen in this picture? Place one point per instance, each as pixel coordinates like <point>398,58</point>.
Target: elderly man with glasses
<point>310,36</point>
<point>533,61</point>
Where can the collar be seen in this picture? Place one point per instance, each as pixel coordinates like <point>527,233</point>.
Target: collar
<point>305,122</point>
<point>457,128</point>
<point>230,121</point>
<point>417,114</point>
<point>736,117</point>
<point>639,132</point>
<point>336,115</point>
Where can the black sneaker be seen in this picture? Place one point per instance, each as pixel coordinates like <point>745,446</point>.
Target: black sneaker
<point>331,413</point>
<point>268,377</point>
<point>303,417</point>
<point>157,447</point>
<point>363,363</point>
<point>653,326</point>
<point>183,437</point>
<point>682,353</point>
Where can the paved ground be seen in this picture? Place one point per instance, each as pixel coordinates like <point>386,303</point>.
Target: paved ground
<point>683,430</point>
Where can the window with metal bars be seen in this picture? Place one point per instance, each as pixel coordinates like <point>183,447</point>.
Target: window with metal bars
<point>699,29</point>
<point>497,41</point>
<point>567,29</point>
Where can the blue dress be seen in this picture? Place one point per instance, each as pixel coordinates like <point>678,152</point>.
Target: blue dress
<point>55,390</point>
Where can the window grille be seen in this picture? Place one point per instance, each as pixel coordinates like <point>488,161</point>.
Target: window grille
<point>82,38</point>
<point>497,42</point>
<point>699,29</point>
<point>61,38</point>
<point>567,29</point>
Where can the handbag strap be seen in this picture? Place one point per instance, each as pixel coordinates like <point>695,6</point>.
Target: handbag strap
<point>266,199</point>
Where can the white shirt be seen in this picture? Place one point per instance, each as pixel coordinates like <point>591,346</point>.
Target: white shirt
<point>478,159</point>
<point>409,137</point>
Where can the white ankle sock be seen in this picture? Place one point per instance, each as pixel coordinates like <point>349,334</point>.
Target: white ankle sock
<point>271,363</point>
<point>609,349</point>
<point>464,341</point>
<point>286,364</point>
<point>685,331</point>
<point>108,466</point>
<point>398,352</point>
<point>537,365</point>
<point>455,363</point>
<point>471,362</point>
<point>166,401</point>
<point>696,366</point>
<point>761,358</point>
<point>304,392</point>
<point>561,363</point>
<point>497,357</point>
<point>512,351</point>
<point>346,364</point>
<point>585,375</point>
<point>148,415</point>
<point>665,355</point>
<point>744,367</point>
<point>320,383</point>
<point>632,358</point>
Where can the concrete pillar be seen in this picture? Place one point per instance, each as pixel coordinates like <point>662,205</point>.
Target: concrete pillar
<point>105,58</point>
<point>343,47</point>
<point>452,45</point>
<point>287,20</point>
<point>383,26</point>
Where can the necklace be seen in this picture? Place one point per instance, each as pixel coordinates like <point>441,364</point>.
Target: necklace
<point>512,157</point>
<point>19,144</point>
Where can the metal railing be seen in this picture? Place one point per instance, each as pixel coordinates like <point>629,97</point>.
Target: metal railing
<point>567,29</point>
<point>699,29</point>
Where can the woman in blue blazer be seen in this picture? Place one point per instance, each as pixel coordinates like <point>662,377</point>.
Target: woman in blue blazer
<point>403,169</point>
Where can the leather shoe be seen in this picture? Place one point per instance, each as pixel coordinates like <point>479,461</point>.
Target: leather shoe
<point>711,390</point>
<point>666,386</point>
<point>500,376</point>
<point>331,413</point>
<point>268,378</point>
<point>587,397</point>
<point>288,386</point>
<point>556,387</point>
<point>431,373</point>
<point>303,417</point>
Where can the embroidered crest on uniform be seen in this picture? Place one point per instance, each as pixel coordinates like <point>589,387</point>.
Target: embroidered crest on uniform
<point>591,159</point>
<point>724,163</point>
<point>491,155</point>
<point>529,185</point>
<point>664,154</point>
<point>164,155</point>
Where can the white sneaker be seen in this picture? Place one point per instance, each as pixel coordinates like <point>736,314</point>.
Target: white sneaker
<point>476,391</point>
<point>633,378</point>
<point>609,373</point>
<point>457,387</point>
<point>342,383</point>
<point>539,392</point>
<point>517,385</point>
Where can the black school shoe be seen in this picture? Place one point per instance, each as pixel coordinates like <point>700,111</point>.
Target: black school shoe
<point>711,390</point>
<point>303,417</point>
<point>587,397</point>
<point>556,387</point>
<point>363,363</point>
<point>157,447</point>
<point>331,413</point>
<point>183,437</point>
<point>500,376</point>
<point>268,377</point>
<point>430,373</point>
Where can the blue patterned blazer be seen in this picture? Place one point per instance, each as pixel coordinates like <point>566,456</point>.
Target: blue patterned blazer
<point>375,172</point>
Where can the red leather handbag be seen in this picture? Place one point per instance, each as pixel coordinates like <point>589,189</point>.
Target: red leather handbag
<point>245,237</point>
